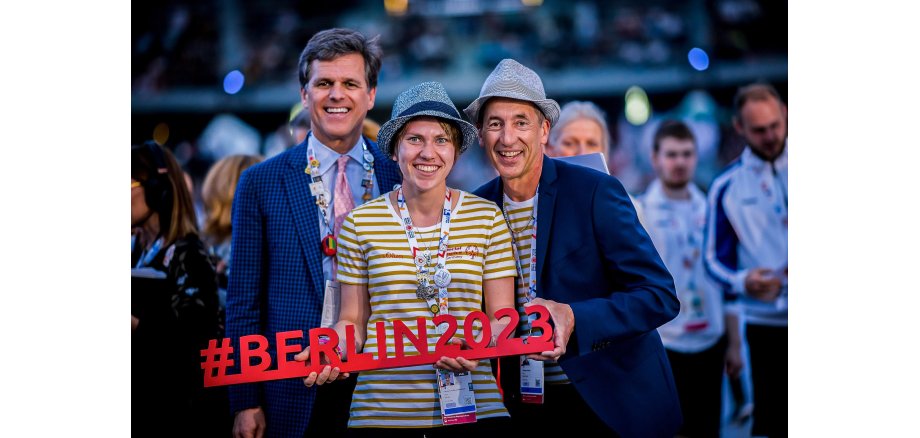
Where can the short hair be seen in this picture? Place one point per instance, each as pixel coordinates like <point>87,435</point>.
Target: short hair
<point>576,110</point>
<point>757,91</point>
<point>177,215</point>
<point>672,129</point>
<point>452,130</point>
<point>217,194</point>
<point>332,43</point>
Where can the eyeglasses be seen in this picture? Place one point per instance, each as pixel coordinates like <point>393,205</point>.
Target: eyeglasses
<point>135,183</point>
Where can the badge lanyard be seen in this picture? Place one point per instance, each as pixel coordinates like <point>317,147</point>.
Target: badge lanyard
<point>532,286</point>
<point>323,197</point>
<point>532,379</point>
<point>767,186</point>
<point>441,277</point>
<point>784,217</point>
<point>689,255</point>
<point>458,403</point>
<point>149,254</point>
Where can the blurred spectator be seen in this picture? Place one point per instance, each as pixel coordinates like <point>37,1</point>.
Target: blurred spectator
<point>581,129</point>
<point>704,338</point>
<point>217,195</point>
<point>166,345</point>
<point>226,135</point>
<point>631,160</point>
<point>300,127</point>
<point>370,129</point>
<point>288,135</point>
<point>747,247</point>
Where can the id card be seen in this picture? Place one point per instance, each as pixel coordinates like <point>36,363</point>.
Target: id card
<point>317,188</point>
<point>458,403</point>
<point>332,301</point>
<point>532,381</point>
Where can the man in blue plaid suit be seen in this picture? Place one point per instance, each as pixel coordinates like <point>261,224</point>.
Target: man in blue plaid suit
<point>281,267</point>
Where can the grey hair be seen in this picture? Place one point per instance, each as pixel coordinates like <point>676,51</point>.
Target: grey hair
<point>578,109</point>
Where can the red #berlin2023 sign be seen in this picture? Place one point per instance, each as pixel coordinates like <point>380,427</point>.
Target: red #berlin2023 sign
<point>217,358</point>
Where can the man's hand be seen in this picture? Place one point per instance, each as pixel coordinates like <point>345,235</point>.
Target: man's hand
<point>134,323</point>
<point>563,319</point>
<point>329,374</point>
<point>249,423</point>
<point>733,362</point>
<point>762,284</point>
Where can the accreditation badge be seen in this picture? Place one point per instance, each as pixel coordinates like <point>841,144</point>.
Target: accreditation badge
<point>332,302</point>
<point>532,381</point>
<point>458,402</point>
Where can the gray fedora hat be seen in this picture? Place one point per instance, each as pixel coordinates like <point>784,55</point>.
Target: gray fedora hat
<point>512,80</point>
<point>425,99</point>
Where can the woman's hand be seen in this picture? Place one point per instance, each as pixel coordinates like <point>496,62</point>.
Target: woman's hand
<point>458,364</point>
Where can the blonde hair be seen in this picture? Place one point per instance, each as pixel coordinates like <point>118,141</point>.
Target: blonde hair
<point>217,194</point>
<point>370,129</point>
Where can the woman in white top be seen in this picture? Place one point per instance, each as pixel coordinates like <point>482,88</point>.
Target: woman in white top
<point>421,250</point>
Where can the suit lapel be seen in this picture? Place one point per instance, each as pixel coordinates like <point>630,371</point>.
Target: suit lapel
<point>546,207</point>
<point>303,208</point>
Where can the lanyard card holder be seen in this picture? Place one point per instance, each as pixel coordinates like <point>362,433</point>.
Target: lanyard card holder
<point>458,403</point>
<point>532,381</point>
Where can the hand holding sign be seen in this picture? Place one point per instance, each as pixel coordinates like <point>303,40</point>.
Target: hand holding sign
<point>321,363</point>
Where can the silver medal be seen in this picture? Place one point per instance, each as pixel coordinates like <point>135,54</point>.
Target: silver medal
<point>368,156</point>
<point>425,292</point>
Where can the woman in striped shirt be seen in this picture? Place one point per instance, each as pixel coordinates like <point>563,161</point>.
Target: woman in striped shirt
<point>421,250</point>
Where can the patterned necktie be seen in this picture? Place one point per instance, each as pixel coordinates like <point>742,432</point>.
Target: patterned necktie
<point>343,200</point>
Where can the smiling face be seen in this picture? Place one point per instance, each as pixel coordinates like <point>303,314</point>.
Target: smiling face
<point>337,98</point>
<point>579,137</point>
<point>426,153</point>
<point>513,134</point>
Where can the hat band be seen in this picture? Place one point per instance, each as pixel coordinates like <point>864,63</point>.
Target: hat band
<point>429,105</point>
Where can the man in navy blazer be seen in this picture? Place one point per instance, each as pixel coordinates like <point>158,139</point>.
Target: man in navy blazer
<point>596,271</point>
<point>279,270</point>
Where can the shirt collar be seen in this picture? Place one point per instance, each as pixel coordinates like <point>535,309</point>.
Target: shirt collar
<point>750,159</point>
<point>328,157</point>
<point>654,194</point>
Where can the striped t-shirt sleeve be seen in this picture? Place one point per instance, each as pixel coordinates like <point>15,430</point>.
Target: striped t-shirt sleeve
<point>349,254</point>
<point>498,260</point>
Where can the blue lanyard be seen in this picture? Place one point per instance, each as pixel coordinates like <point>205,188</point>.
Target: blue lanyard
<point>149,254</point>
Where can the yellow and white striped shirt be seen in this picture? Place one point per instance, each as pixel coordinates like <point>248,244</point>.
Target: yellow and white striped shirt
<point>373,250</point>
<point>519,214</point>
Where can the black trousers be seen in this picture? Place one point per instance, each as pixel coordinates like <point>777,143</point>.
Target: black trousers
<point>769,350</point>
<point>331,408</point>
<point>698,377</point>
<point>563,410</point>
